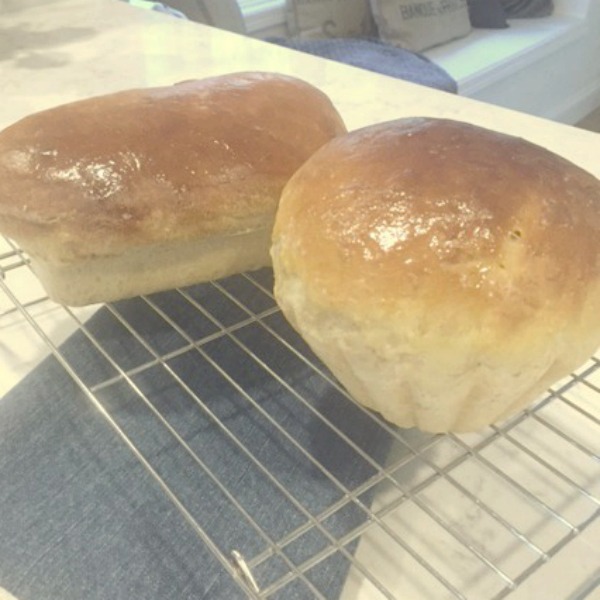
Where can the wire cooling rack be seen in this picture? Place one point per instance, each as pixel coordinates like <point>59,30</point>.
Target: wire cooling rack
<point>316,487</point>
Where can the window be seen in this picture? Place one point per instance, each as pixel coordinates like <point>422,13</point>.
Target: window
<point>259,5</point>
<point>261,14</point>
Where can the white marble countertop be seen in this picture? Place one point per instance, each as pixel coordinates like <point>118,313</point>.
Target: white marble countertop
<point>54,51</point>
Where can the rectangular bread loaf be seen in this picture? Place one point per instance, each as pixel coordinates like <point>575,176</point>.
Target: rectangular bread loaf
<point>149,189</point>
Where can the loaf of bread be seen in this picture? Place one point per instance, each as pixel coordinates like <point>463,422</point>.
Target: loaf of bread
<point>149,189</point>
<point>446,274</point>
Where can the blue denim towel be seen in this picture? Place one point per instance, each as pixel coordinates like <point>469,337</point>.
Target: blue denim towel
<point>80,516</point>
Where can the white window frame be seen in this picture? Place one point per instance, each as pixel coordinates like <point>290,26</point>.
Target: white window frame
<point>262,14</point>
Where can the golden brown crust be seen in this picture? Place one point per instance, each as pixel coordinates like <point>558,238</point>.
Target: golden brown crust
<point>206,157</point>
<point>441,210</point>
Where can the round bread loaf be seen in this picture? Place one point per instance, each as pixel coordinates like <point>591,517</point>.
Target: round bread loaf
<point>149,189</point>
<point>445,273</point>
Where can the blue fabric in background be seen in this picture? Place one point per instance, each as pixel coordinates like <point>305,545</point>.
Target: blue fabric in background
<point>376,56</point>
<point>80,516</point>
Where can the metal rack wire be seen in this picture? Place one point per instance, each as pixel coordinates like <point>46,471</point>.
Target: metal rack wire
<point>315,484</point>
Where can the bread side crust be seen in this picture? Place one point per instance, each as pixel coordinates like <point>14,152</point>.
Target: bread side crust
<point>439,383</point>
<point>153,268</point>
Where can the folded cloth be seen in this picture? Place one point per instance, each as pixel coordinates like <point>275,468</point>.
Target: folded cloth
<point>374,55</point>
<point>82,517</point>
